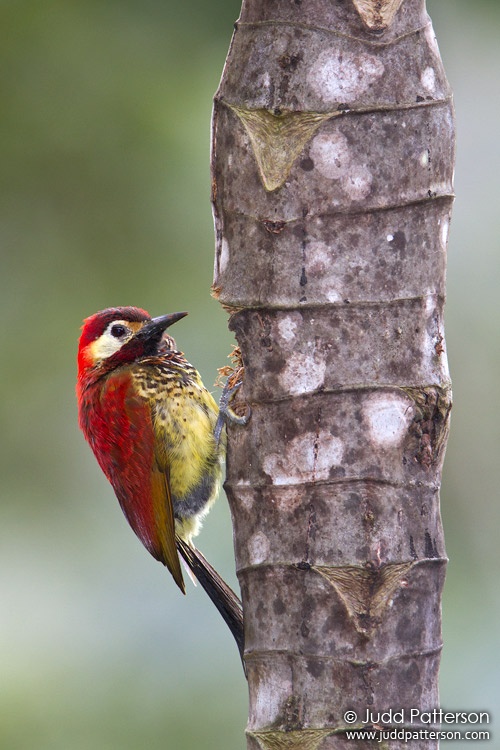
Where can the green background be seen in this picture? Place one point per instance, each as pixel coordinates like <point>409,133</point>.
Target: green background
<point>104,200</point>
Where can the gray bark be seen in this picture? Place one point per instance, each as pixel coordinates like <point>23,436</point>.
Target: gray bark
<point>332,168</point>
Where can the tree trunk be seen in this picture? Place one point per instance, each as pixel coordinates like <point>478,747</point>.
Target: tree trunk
<point>332,168</point>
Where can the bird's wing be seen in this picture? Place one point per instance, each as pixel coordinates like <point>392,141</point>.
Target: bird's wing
<point>164,514</point>
<point>127,456</point>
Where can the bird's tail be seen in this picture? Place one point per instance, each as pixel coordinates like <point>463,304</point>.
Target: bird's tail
<point>217,589</point>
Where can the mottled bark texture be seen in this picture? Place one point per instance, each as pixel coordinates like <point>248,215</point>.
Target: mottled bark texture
<point>332,189</point>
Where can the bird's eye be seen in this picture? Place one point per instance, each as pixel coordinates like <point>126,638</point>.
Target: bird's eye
<point>118,331</point>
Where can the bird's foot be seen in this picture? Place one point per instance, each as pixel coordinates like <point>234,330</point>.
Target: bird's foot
<point>226,413</point>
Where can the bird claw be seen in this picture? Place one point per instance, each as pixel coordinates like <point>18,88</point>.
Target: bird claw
<point>226,414</point>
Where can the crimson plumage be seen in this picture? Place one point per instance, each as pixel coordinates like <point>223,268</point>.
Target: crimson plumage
<point>150,422</point>
<point>156,433</point>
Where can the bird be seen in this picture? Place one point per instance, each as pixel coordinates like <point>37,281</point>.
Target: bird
<point>157,434</point>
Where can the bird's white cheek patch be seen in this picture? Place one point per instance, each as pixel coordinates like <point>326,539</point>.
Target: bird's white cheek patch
<point>388,417</point>
<point>103,347</point>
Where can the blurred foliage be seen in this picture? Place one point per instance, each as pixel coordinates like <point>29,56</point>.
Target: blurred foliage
<point>104,200</point>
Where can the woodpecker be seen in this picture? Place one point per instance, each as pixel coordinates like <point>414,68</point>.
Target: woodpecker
<point>156,433</point>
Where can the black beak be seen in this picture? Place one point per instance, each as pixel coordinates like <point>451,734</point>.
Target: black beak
<point>151,332</point>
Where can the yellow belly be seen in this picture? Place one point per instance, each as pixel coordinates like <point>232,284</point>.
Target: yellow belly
<point>187,435</point>
<point>187,452</point>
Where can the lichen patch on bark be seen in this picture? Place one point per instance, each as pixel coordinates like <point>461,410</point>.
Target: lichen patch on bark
<point>388,417</point>
<point>342,77</point>
<point>306,458</point>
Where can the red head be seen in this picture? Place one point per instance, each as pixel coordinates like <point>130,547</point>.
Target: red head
<point>118,335</point>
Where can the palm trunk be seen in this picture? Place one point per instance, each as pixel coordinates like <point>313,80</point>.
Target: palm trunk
<point>332,190</point>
